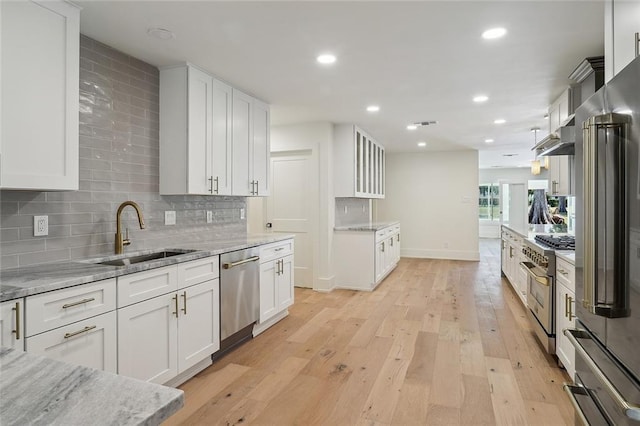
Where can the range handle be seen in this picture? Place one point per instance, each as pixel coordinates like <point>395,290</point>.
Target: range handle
<point>542,279</point>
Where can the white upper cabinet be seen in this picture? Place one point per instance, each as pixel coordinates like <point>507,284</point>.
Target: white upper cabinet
<point>195,132</point>
<point>251,146</point>
<point>214,140</point>
<point>40,95</point>
<point>221,138</point>
<point>560,175</point>
<point>359,163</point>
<point>622,22</point>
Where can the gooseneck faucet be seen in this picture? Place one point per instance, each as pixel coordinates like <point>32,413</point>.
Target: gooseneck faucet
<point>120,242</point>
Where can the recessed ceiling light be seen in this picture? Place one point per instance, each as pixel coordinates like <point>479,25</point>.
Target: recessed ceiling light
<point>373,108</point>
<point>500,121</point>
<point>488,140</point>
<point>480,98</point>
<point>412,127</point>
<point>161,33</point>
<point>494,33</point>
<point>422,144</point>
<point>326,58</point>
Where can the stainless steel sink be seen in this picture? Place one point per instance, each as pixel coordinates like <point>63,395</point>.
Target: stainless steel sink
<point>130,260</point>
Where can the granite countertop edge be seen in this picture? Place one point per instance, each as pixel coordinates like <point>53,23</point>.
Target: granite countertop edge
<point>366,227</point>
<point>31,280</point>
<point>44,389</point>
<point>568,255</point>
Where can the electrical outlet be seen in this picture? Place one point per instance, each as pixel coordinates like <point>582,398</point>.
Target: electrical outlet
<point>209,216</point>
<point>170,217</point>
<point>241,213</point>
<point>40,226</point>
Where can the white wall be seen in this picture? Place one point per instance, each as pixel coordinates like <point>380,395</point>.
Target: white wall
<point>434,195</point>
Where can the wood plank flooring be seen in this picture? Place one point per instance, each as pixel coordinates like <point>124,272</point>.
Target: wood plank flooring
<point>439,342</point>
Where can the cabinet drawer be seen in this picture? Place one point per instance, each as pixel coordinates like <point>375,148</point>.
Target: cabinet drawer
<point>565,273</point>
<point>198,271</point>
<point>47,311</point>
<point>91,342</point>
<point>384,233</point>
<point>141,286</point>
<point>276,250</point>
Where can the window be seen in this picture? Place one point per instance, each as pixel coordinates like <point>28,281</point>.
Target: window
<point>489,201</point>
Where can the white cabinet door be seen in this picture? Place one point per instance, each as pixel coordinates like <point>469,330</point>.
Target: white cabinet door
<point>199,122</point>
<point>40,91</point>
<point>222,138</point>
<point>285,283</point>
<point>268,290</point>
<point>91,342</point>
<point>198,323</point>
<point>242,137</point>
<point>148,338</point>
<point>560,175</point>
<point>260,151</point>
<point>380,250</point>
<point>626,23</point>
<point>565,310</point>
<point>12,324</point>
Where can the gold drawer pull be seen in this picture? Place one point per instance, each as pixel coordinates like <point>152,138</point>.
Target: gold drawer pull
<point>75,333</point>
<point>280,249</point>
<point>17,311</point>
<point>81,302</point>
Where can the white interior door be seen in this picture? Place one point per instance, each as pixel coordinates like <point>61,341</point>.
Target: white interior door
<point>289,207</point>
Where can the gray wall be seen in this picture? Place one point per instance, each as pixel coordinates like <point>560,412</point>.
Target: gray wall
<point>119,151</point>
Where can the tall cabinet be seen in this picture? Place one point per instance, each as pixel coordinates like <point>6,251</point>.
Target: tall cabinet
<point>359,163</point>
<point>40,73</point>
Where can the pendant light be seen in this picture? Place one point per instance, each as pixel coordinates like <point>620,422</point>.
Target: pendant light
<point>535,164</point>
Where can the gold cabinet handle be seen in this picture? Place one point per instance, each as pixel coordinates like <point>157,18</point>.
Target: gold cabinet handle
<point>279,249</point>
<point>80,302</point>
<point>398,237</point>
<point>216,190</point>
<point>391,242</point>
<point>383,246</point>
<point>510,252</point>
<point>75,333</point>
<point>184,300</point>
<point>175,299</point>
<point>563,272</point>
<point>210,184</point>
<point>257,187</point>
<point>17,311</point>
<point>571,316</point>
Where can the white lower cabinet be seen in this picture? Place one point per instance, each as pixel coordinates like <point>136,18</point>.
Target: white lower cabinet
<point>276,279</point>
<point>510,260</point>
<point>162,337</point>
<point>12,324</point>
<point>91,343</point>
<point>565,314</point>
<point>367,256</point>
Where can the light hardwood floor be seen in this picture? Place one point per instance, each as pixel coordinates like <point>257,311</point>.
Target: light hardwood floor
<point>439,342</point>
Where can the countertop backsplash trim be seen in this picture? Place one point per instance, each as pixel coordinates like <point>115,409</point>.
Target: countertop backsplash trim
<point>119,161</point>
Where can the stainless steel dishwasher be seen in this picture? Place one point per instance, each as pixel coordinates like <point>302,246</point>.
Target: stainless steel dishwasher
<point>239,297</point>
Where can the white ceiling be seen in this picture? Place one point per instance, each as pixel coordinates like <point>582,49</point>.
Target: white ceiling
<point>417,60</point>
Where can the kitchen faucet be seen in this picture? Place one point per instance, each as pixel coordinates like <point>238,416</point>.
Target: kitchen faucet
<point>120,242</point>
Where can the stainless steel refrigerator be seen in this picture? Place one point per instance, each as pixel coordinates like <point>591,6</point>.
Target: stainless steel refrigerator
<point>607,338</point>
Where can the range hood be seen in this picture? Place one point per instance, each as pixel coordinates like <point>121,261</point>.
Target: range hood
<point>561,142</point>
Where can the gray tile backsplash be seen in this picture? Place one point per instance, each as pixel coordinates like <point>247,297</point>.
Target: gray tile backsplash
<point>119,161</point>
<point>352,211</point>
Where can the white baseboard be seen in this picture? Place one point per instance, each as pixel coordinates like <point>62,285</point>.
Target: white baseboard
<point>325,285</point>
<point>441,254</point>
<point>186,375</point>
<point>259,328</point>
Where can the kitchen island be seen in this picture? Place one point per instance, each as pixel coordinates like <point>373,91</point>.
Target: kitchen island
<point>37,390</point>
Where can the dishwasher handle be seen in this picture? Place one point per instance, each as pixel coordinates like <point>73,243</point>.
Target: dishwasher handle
<point>230,265</point>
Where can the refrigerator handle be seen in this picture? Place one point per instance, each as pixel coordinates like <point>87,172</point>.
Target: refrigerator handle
<point>612,170</point>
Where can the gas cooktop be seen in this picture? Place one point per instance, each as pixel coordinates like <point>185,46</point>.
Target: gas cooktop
<point>557,242</point>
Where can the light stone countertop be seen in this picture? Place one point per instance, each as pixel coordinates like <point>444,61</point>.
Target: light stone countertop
<point>568,255</point>
<point>366,227</point>
<point>21,282</point>
<point>41,391</point>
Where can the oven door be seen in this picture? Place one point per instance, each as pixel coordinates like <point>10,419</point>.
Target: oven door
<point>540,295</point>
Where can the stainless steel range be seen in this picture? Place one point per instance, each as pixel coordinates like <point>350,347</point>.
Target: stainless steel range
<point>541,268</point>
